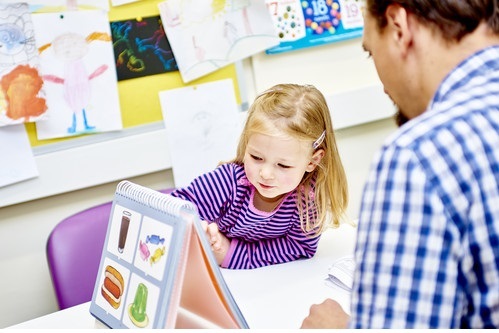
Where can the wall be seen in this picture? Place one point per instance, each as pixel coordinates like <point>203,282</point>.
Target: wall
<point>25,287</point>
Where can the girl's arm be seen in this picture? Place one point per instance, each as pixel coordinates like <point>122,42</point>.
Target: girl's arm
<point>252,254</point>
<point>209,192</point>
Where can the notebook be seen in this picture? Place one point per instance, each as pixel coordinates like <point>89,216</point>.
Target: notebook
<point>157,269</point>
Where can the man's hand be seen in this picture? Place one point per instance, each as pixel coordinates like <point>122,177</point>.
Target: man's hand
<point>328,314</point>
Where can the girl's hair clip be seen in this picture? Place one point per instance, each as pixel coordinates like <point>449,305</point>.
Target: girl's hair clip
<point>319,140</point>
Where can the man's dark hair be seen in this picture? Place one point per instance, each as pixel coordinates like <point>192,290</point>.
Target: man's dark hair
<point>453,18</point>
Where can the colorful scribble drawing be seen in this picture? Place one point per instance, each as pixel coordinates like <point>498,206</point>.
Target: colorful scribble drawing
<point>71,48</point>
<point>125,55</point>
<point>141,48</point>
<point>153,44</point>
<point>21,97</point>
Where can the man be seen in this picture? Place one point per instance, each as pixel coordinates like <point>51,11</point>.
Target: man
<point>427,247</point>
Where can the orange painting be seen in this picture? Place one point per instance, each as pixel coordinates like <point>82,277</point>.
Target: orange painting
<point>20,89</point>
<point>22,95</point>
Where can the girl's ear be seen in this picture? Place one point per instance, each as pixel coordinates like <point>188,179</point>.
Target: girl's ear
<point>316,159</point>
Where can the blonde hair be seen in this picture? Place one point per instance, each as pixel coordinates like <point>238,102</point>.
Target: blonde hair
<point>301,112</point>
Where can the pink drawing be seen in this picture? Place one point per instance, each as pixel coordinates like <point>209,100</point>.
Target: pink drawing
<point>72,48</point>
<point>144,251</point>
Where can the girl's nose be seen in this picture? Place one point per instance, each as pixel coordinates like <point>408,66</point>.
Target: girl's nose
<point>266,172</point>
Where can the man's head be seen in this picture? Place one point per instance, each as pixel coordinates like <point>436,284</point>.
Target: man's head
<point>452,18</point>
<point>415,43</point>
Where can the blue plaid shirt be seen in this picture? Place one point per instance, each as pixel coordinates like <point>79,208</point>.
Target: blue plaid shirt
<point>428,241</point>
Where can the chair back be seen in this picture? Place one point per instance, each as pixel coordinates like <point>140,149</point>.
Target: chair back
<point>74,250</point>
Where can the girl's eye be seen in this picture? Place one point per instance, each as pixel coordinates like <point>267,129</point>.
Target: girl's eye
<point>256,158</point>
<point>284,166</point>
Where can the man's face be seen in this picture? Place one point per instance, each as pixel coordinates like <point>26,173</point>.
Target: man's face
<point>377,44</point>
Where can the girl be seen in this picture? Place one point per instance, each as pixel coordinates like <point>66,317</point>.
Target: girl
<point>286,185</point>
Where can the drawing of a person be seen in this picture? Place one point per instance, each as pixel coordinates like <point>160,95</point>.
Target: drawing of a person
<point>71,48</point>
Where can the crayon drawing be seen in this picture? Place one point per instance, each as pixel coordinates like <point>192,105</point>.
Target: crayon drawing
<point>213,127</point>
<point>22,98</point>
<point>208,35</point>
<point>141,48</point>
<point>77,65</point>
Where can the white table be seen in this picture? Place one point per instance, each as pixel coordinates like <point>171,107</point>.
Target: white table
<point>276,296</point>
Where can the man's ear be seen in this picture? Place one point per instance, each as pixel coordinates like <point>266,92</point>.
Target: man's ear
<point>316,159</point>
<point>399,27</point>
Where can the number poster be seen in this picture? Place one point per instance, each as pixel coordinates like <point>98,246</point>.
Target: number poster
<point>305,23</point>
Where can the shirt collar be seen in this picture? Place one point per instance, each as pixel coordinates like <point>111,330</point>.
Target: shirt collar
<point>484,60</point>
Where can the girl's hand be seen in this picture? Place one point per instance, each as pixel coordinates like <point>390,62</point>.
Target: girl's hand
<point>204,225</point>
<point>219,243</point>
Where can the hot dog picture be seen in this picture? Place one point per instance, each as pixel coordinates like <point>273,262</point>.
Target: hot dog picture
<point>112,288</point>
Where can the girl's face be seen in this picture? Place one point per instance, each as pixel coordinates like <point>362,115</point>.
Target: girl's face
<point>276,165</point>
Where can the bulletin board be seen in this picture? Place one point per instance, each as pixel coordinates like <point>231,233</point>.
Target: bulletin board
<point>139,100</point>
<point>74,163</point>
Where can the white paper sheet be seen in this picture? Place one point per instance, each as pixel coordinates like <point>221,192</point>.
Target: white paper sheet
<point>122,2</point>
<point>207,36</point>
<point>77,65</point>
<point>18,162</point>
<point>203,125</point>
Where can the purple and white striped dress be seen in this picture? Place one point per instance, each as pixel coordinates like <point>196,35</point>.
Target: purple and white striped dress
<point>225,196</point>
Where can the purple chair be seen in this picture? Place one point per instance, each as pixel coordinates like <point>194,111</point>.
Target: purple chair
<point>74,250</point>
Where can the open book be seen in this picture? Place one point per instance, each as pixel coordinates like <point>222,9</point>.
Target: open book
<point>157,269</point>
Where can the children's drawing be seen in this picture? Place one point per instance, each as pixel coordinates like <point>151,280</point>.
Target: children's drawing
<point>22,98</point>
<point>208,35</point>
<point>71,48</point>
<point>213,123</point>
<point>141,48</point>
<point>77,66</point>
